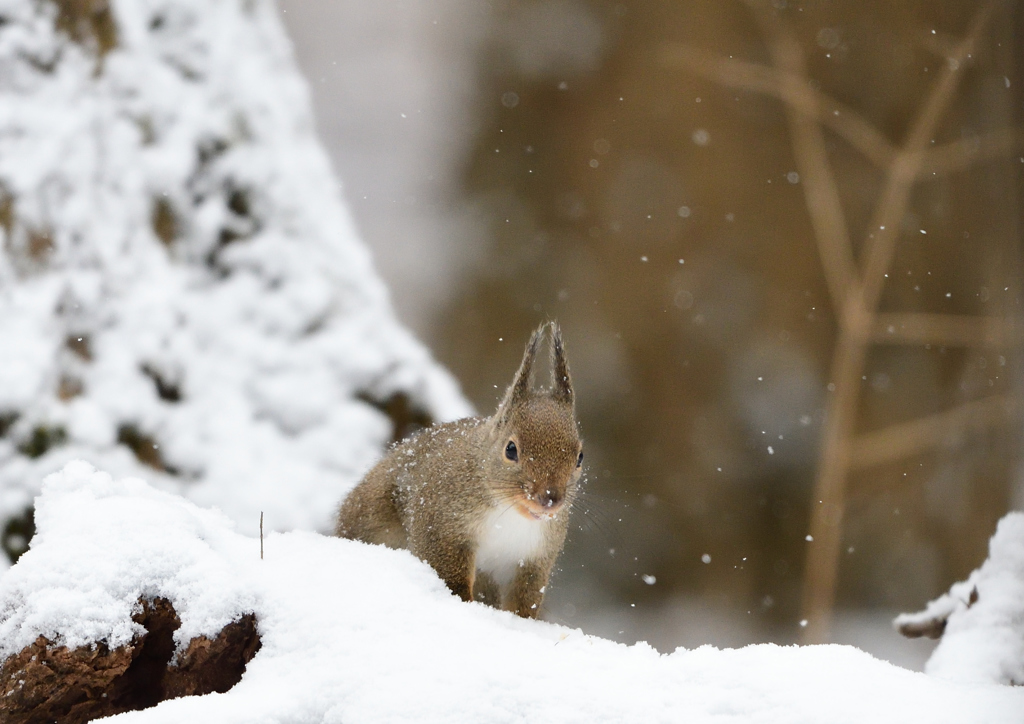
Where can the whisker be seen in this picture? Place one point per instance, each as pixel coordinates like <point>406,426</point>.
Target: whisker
<point>510,506</point>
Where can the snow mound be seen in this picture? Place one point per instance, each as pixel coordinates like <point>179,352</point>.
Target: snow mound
<point>77,587</point>
<point>182,292</point>
<point>981,620</point>
<point>355,633</point>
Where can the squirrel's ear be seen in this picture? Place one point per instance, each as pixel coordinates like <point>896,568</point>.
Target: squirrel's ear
<point>519,390</point>
<point>561,386</point>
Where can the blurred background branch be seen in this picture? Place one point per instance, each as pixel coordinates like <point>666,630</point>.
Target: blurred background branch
<point>792,89</point>
<point>912,438</point>
<point>855,297</point>
<point>949,330</point>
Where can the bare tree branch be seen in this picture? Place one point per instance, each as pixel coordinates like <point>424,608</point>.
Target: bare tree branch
<point>950,330</point>
<point>912,438</point>
<point>837,117</point>
<point>855,324</point>
<point>855,295</point>
<point>962,154</point>
<point>842,120</point>
<point>884,229</point>
<point>835,249</point>
<point>820,190</point>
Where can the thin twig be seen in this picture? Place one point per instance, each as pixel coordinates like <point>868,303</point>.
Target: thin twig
<point>261,535</point>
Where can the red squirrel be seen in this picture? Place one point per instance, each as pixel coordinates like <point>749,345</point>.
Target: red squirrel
<point>484,501</point>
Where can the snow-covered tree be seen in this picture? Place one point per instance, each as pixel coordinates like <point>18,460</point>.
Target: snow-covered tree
<point>183,295</point>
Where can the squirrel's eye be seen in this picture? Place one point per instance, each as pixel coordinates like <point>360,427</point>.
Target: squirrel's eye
<point>579,460</point>
<point>511,452</point>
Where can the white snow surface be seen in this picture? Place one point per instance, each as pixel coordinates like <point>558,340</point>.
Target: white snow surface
<point>264,311</point>
<point>984,639</point>
<point>355,633</point>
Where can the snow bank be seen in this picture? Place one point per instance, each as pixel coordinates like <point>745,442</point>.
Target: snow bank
<point>981,620</point>
<point>355,633</point>
<point>101,545</point>
<point>182,293</point>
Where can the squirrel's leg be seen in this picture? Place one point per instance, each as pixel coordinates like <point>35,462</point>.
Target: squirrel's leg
<point>486,590</point>
<point>455,563</point>
<point>526,590</point>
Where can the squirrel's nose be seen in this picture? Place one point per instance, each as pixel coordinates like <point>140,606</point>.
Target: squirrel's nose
<point>549,498</point>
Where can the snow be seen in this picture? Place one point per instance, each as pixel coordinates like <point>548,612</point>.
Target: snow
<point>178,269</point>
<point>89,590</point>
<point>356,633</point>
<point>983,639</point>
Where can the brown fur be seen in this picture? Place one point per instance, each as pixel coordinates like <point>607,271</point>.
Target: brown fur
<point>451,489</point>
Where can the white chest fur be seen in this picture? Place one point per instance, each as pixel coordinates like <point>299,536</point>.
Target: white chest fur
<point>506,539</point>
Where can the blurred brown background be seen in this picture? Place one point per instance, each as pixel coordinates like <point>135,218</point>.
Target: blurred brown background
<point>605,165</point>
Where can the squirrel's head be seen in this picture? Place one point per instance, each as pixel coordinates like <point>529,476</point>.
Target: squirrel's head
<point>536,457</point>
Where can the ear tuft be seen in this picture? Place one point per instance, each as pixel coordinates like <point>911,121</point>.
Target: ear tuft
<point>519,391</point>
<point>561,387</point>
